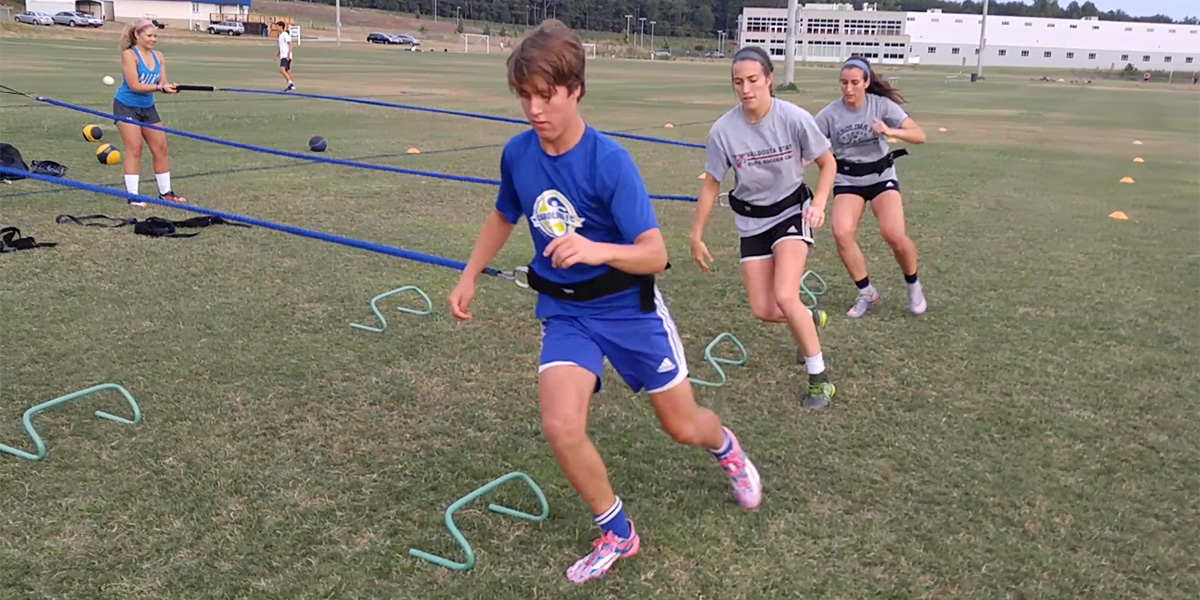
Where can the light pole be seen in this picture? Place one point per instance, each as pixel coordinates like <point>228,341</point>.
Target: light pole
<point>338,19</point>
<point>435,11</point>
<point>457,11</point>
<point>652,39</point>
<point>982,43</point>
<point>641,31</point>
<point>789,57</point>
<point>628,18</point>
<point>721,41</point>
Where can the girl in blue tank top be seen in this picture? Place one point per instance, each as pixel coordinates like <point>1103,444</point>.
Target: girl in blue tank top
<point>143,73</point>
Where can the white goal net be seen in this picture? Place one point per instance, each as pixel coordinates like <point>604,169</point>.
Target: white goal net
<point>589,50</point>
<point>477,42</point>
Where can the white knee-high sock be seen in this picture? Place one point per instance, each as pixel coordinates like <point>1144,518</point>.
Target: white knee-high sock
<point>131,183</point>
<point>164,182</point>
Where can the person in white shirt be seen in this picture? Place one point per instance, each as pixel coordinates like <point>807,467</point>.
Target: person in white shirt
<point>284,54</point>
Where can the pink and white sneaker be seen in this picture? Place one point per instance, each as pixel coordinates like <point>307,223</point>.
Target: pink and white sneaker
<point>604,554</point>
<point>865,300</point>
<point>743,477</point>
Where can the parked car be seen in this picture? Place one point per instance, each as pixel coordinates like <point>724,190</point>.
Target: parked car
<point>376,37</point>
<point>714,54</point>
<point>408,39</point>
<point>227,28</point>
<point>34,17</point>
<point>76,19</point>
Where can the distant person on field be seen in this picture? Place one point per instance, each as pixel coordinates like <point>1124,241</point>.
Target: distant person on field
<point>143,72</point>
<point>284,54</point>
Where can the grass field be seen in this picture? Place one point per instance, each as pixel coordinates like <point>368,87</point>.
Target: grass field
<point>1032,436</point>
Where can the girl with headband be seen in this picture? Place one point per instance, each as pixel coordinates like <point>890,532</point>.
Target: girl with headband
<point>767,142</point>
<point>144,73</point>
<point>858,125</point>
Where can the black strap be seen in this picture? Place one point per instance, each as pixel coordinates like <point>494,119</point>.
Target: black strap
<point>151,226</point>
<point>854,169</point>
<point>11,241</point>
<point>87,220</point>
<point>799,196</point>
<point>48,167</point>
<point>611,282</point>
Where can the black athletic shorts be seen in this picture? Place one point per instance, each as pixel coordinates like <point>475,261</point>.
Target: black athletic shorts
<point>868,192</point>
<point>285,63</point>
<point>758,247</point>
<point>141,115</point>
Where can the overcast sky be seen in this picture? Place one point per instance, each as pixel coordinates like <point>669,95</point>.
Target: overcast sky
<point>1176,9</point>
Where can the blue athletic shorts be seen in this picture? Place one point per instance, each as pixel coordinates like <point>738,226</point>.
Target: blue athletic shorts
<point>645,350</point>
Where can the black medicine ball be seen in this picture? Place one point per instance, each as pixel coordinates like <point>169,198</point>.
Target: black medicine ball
<point>317,143</point>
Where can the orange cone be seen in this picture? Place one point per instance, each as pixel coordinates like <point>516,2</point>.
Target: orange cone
<point>1119,216</point>
<point>1126,180</point>
<point>1137,142</point>
<point>669,125</point>
<point>413,150</point>
<point>1139,160</point>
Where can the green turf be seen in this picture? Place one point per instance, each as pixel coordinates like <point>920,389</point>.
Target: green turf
<point>1034,435</point>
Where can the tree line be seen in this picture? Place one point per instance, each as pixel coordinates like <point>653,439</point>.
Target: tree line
<point>702,18</point>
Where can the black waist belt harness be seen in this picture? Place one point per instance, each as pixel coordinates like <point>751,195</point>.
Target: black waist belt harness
<point>801,195</point>
<point>854,169</point>
<point>610,283</point>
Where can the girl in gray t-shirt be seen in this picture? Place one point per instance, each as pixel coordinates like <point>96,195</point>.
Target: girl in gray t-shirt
<point>767,141</point>
<point>858,125</point>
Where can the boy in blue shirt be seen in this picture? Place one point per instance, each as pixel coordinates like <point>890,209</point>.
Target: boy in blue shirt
<point>597,248</point>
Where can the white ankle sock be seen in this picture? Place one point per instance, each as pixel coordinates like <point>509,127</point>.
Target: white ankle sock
<point>164,182</point>
<point>815,364</point>
<point>131,183</point>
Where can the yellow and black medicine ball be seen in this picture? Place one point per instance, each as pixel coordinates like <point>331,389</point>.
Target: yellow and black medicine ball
<point>108,155</point>
<point>92,133</point>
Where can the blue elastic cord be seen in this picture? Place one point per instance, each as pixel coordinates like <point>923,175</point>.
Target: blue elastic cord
<point>309,157</point>
<point>309,233</point>
<point>456,113</point>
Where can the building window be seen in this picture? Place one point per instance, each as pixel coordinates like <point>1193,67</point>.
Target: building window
<point>195,7</point>
<point>1145,58</point>
<point>912,18</point>
<point>1069,55</point>
<point>1170,31</point>
<point>1124,57</point>
<point>824,26</point>
<point>954,51</point>
<point>935,20</point>
<point>1028,24</point>
<point>890,27</point>
<point>958,20</point>
<point>1074,27</point>
<point>1188,60</point>
<point>1149,30</point>
<point>977,52</point>
<point>820,48</point>
<point>1128,29</point>
<point>1046,54</point>
<point>1095,27</point>
<point>1091,56</point>
<point>1004,22</point>
<point>1050,25</point>
<point>1024,54</point>
<point>932,50</point>
<point>1167,59</point>
<point>1002,53</point>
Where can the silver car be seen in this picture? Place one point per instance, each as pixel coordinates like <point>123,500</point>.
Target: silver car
<point>76,19</point>
<point>34,17</point>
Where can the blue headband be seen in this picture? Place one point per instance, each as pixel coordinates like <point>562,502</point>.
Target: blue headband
<point>860,63</point>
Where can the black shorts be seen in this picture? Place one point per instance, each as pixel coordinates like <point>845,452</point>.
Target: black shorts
<point>868,192</point>
<point>285,63</point>
<point>141,115</point>
<point>760,246</point>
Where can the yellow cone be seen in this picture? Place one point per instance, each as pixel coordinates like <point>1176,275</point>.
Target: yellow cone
<point>413,150</point>
<point>1118,215</point>
<point>942,129</point>
<point>1139,160</point>
<point>1137,142</point>
<point>669,125</point>
<point>1126,180</point>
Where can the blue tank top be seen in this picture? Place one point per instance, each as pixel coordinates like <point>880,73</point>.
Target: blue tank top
<point>146,76</point>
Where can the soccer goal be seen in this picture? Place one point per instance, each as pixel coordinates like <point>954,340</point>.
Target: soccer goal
<point>481,41</point>
<point>589,50</point>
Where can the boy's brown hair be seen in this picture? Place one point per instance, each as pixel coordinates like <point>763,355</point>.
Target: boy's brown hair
<point>552,54</point>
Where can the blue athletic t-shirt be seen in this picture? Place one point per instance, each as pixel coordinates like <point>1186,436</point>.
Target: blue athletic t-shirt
<point>595,190</point>
<point>145,75</point>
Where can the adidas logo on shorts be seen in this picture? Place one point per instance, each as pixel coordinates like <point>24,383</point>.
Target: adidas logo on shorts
<point>666,366</point>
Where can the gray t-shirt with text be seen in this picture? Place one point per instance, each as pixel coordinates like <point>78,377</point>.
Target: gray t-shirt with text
<point>852,133</point>
<point>765,156</point>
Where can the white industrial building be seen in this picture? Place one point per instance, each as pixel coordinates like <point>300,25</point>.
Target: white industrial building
<point>173,13</point>
<point>834,32</point>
